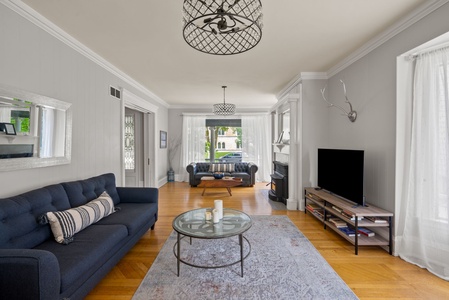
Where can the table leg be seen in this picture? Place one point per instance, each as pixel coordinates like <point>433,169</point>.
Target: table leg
<point>179,252</point>
<point>203,192</point>
<point>241,252</point>
<point>229,191</point>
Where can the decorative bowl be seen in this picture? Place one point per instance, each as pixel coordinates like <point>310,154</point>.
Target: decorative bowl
<point>218,175</point>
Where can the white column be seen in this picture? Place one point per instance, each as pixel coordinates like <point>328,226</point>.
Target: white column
<point>294,165</point>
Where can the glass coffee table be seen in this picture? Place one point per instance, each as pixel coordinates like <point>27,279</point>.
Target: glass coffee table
<point>193,224</point>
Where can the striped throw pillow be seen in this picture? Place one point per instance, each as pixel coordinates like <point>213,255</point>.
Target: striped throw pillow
<point>65,224</point>
<point>221,168</point>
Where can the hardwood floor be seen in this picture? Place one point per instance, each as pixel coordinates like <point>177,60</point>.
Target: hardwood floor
<point>373,274</point>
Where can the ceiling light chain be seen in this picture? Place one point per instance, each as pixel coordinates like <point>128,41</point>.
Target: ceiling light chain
<point>222,27</point>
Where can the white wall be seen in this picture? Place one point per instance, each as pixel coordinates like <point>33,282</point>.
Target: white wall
<point>371,88</point>
<point>35,61</point>
<point>314,129</point>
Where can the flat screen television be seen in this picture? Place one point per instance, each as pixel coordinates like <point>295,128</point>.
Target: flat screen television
<point>340,172</point>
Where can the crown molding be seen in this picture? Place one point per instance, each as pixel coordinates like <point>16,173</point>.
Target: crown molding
<point>40,21</point>
<point>297,79</point>
<point>313,75</point>
<point>404,23</point>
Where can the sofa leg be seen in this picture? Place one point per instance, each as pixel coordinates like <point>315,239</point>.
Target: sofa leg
<point>152,227</point>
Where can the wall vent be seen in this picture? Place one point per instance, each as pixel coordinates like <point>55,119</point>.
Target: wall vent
<point>114,92</point>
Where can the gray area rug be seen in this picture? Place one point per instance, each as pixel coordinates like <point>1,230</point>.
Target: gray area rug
<point>283,264</point>
<point>275,205</point>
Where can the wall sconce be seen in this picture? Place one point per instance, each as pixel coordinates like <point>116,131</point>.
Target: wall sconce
<point>352,114</point>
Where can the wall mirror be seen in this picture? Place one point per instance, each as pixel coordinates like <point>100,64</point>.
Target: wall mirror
<point>43,128</point>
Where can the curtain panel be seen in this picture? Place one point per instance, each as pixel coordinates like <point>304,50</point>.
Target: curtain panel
<point>423,210</point>
<point>256,140</point>
<point>193,143</point>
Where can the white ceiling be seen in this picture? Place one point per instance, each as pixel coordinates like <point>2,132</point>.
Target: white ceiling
<point>143,38</point>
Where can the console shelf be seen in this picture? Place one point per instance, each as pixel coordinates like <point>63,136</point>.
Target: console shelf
<point>325,207</point>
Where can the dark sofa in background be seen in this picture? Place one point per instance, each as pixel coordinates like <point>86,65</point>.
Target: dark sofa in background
<point>245,170</point>
<point>34,266</point>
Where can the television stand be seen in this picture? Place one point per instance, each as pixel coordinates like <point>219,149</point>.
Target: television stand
<point>373,224</point>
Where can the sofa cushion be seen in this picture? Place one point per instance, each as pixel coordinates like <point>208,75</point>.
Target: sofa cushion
<point>18,215</point>
<point>244,176</point>
<point>65,224</point>
<point>221,168</point>
<point>202,167</point>
<point>82,191</point>
<point>133,216</point>
<point>82,258</point>
<point>241,167</point>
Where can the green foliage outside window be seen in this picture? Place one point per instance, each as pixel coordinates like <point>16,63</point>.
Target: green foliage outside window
<point>24,126</point>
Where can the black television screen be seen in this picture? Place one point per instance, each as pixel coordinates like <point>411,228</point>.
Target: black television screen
<point>340,172</point>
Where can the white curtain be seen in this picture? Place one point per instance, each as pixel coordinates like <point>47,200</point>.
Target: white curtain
<point>193,143</point>
<point>256,140</point>
<point>423,215</point>
<point>5,114</point>
<point>47,133</point>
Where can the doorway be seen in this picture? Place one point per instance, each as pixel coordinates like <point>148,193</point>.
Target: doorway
<point>138,141</point>
<point>133,148</point>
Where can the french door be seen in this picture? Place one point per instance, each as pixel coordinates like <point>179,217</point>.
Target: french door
<point>134,151</point>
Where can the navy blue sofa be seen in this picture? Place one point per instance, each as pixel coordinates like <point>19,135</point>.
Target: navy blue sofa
<point>244,170</point>
<point>34,266</point>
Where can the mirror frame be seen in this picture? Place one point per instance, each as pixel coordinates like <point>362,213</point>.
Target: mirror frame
<point>12,164</point>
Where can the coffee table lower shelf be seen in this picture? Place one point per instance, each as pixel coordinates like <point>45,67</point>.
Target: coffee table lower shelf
<point>177,251</point>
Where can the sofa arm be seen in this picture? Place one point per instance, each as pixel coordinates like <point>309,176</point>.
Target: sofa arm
<point>252,169</point>
<point>191,169</point>
<point>29,274</point>
<point>138,194</point>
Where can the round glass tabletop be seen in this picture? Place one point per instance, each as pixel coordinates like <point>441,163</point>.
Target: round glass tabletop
<point>193,224</point>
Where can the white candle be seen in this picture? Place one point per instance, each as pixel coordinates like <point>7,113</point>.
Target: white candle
<point>208,216</point>
<point>218,204</point>
<point>216,216</point>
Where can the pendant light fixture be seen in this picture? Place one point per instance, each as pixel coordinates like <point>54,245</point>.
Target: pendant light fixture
<point>224,109</point>
<point>222,27</point>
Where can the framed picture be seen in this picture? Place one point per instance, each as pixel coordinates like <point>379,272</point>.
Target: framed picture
<point>163,139</point>
<point>10,129</point>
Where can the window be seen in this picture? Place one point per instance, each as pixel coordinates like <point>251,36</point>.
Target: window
<point>222,137</point>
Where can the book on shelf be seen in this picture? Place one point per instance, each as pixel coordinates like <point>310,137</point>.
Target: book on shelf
<point>313,205</point>
<point>315,209</point>
<point>337,208</point>
<point>365,231</point>
<point>348,231</point>
<point>350,215</point>
<point>319,213</point>
<point>337,222</point>
<point>315,197</point>
<point>376,219</point>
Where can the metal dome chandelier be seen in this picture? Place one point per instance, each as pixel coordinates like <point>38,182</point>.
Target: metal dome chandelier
<point>222,27</point>
<point>224,109</point>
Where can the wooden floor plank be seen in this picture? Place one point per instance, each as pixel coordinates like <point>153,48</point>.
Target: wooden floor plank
<point>373,274</point>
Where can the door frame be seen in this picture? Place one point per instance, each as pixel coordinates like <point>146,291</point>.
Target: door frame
<point>133,101</point>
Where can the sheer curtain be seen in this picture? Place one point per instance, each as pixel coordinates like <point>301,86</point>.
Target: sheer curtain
<point>47,133</point>
<point>423,215</point>
<point>193,143</point>
<point>256,140</point>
